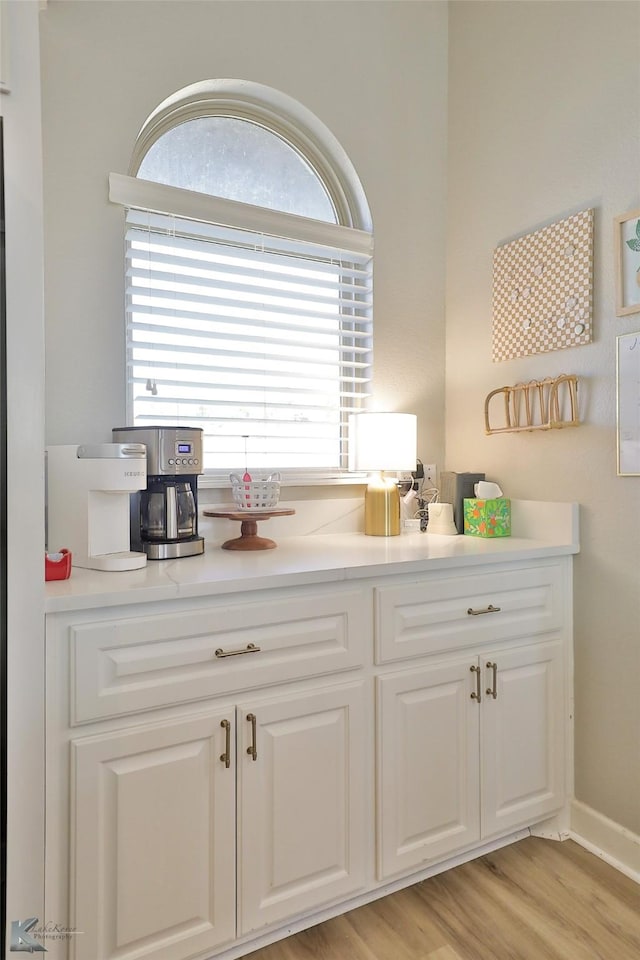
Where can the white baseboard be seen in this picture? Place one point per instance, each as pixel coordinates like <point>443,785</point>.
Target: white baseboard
<point>607,839</point>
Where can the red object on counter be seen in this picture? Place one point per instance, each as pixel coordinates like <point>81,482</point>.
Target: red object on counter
<point>57,566</point>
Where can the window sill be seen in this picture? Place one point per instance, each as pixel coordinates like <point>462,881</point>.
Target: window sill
<point>221,481</point>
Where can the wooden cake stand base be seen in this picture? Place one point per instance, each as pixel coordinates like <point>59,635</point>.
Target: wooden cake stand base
<point>249,539</point>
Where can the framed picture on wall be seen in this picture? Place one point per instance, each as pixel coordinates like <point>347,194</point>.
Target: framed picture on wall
<point>628,391</point>
<point>627,255</point>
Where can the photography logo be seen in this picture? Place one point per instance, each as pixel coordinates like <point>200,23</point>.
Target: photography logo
<point>27,937</point>
<point>21,939</point>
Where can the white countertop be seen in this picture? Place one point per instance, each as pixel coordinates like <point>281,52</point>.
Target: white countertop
<point>540,530</point>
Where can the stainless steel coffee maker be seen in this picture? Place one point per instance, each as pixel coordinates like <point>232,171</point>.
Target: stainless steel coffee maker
<point>164,516</point>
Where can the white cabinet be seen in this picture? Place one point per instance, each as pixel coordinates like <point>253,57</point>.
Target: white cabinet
<point>123,663</point>
<point>157,830</point>
<point>472,735</point>
<point>522,735</point>
<point>191,798</point>
<point>220,769</point>
<point>153,852</point>
<point>428,765</point>
<point>303,797</point>
<point>468,750</point>
<point>443,613</point>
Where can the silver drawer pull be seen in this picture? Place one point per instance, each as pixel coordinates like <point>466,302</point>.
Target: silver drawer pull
<point>477,695</point>
<point>252,750</point>
<point>250,648</point>
<point>226,756</point>
<point>478,613</point>
<point>493,690</point>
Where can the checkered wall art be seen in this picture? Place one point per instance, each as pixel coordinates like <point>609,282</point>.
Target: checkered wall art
<point>543,289</point>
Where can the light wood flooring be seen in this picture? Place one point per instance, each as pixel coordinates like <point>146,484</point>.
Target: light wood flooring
<point>533,900</point>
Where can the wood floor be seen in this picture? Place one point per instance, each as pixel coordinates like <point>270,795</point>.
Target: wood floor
<point>533,900</point>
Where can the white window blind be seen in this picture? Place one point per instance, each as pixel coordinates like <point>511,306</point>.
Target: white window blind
<point>262,340</point>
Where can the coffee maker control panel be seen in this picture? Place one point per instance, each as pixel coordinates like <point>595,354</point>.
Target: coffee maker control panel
<point>171,451</point>
<point>184,455</point>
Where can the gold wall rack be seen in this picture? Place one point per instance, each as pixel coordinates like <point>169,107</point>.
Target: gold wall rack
<point>538,405</point>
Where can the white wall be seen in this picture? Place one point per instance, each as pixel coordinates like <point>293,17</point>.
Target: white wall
<point>544,122</point>
<point>20,110</point>
<point>373,72</point>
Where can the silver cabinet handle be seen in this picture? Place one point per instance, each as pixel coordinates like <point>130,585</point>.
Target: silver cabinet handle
<point>493,691</point>
<point>477,694</point>
<point>252,750</point>
<point>226,756</point>
<point>478,613</point>
<point>250,648</point>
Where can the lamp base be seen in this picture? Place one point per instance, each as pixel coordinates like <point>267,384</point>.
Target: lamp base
<point>382,507</point>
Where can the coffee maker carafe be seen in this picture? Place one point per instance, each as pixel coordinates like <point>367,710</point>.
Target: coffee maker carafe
<point>168,511</point>
<point>164,516</point>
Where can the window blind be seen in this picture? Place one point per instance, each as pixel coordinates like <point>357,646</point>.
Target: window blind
<point>264,341</point>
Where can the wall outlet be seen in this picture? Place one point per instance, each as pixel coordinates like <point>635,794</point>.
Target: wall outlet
<point>430,478</point>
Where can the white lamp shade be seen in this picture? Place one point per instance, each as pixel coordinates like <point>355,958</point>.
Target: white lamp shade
<point>383,441</point>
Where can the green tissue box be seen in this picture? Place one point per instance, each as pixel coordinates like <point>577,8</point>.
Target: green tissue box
<point>487,518</point>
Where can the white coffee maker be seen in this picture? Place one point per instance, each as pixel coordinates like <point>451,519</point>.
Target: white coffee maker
<point>88,488</point>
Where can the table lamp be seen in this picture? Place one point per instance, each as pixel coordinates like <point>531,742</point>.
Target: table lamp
<point>383,441</point>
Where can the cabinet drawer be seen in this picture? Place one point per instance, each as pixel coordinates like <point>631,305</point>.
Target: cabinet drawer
<point>433,616</point>
<point>128,665</point>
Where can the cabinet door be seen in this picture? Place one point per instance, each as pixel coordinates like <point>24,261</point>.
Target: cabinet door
<point>522,736</point>
<point>153,860</point>
<point>303,816</point>
<point>428,765</point>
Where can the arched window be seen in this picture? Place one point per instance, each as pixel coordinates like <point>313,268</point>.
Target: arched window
<point>249,290</point>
